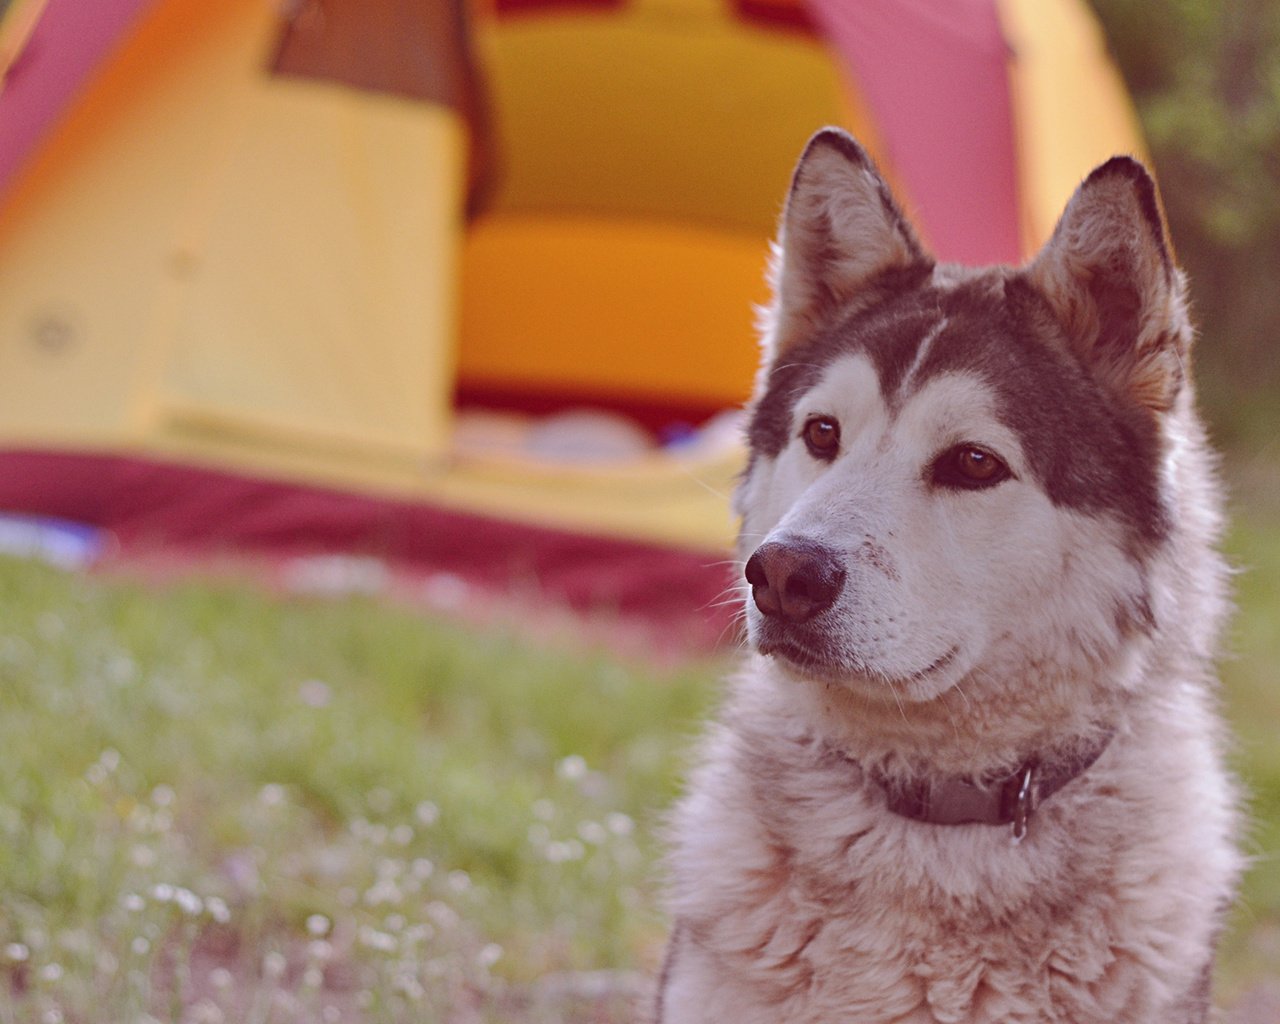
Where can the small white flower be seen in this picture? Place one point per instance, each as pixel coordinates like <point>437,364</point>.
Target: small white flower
<point>409,986</point>
<point>559,852</point>
<point>222,979</point>
<point>17,952</point>
<point>51,972</point>
<point>385,890</point>
<point>375,939</point>
<point>489,956</point>
<point>140,946</point>
<point>593,832</point>
<point>162,892</point>
<point>315,694</point>
<point>318,925</point>
<point>272,795</point>
<point>446,591</point>
<point>402,835</point>
<point>121,669</point>
<point>544,809</point>
<point>422,868</point>
<point>218,909</point>
<point>459,881</point>
<point>427,813</point>
<point>188,902</point>
<point>556,852</point>
<point>143,856</point>
<point>162,795</point>
<point>132,902</point>
<point>205,1012</point>
<point>619,824</point>
<point>274,965</point>
<point>572,768</point>
<point>319,949</point>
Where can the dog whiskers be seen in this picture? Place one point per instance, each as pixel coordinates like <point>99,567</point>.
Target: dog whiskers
<point>897,699</point>
<point>715,491</point>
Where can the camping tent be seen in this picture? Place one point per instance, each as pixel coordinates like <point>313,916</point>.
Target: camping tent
<point>254,257</point>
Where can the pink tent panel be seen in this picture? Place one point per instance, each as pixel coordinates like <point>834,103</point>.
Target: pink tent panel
<point>935,76</point>
<point>70,40</point>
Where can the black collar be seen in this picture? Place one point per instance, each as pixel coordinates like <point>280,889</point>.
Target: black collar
<point>992,800</point>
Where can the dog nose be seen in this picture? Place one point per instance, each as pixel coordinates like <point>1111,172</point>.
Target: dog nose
<point>794,580</point>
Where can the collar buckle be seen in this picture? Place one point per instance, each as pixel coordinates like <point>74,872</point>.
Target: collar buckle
<point>1024,804</point>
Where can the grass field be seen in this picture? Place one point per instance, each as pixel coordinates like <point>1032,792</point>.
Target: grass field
<point>218,805</point>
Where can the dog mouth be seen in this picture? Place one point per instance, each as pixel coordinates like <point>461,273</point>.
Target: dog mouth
<point>939,664</point>
<point>800,656</point>
<point>826,665</point>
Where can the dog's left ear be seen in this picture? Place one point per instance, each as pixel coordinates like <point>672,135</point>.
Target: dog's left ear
<point>1109,276</point>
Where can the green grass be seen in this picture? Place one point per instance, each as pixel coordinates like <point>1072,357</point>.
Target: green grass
<point>1252,688</point>
<point>313,804</point>
<point>219,805</point>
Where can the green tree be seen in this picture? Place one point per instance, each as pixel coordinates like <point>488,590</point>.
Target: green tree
<point>1205,75</point>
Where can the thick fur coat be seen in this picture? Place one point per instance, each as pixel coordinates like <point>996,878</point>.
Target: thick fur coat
<point>978,529</point>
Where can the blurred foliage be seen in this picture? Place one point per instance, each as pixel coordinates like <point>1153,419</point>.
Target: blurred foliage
<point>1205,75</point>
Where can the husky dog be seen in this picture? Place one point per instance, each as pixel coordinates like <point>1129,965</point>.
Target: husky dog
<point>971,771</point>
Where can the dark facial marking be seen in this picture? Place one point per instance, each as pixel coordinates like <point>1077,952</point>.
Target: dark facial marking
<point>886,330</point>
<point>1090,450</point>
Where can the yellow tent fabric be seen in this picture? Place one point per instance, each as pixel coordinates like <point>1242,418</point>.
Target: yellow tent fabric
<point>200,245</point>
<point>646,154</point>
<point>1061,132</point>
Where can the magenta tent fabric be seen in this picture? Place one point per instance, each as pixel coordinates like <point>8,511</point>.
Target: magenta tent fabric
<point>935,75</point>
<point>71,38</point>
<point>151,507</point>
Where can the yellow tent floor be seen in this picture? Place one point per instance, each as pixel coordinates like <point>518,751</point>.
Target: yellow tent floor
<point>676,497</point>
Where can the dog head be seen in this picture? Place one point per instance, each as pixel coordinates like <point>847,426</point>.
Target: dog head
<point>958,478</point>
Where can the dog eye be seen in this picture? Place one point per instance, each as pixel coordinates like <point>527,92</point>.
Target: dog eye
<point>822,437</point>
<point>970,466</point>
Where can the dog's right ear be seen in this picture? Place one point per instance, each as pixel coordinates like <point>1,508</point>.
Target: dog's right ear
<point>840,229</point>
<point>1109,275</point>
